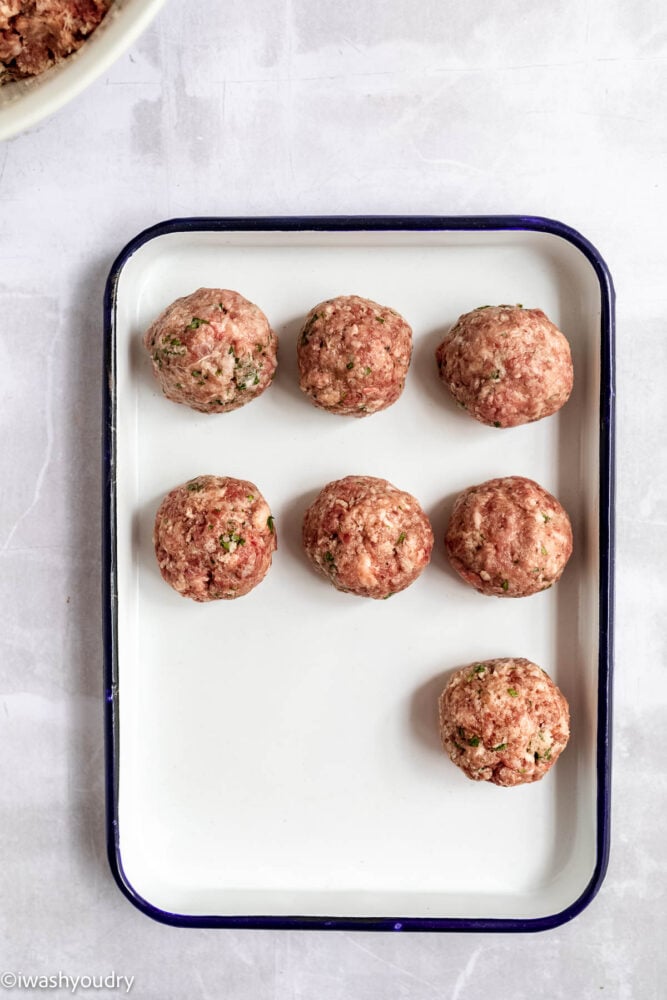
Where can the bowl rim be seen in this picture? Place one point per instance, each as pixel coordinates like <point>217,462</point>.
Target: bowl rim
<point>24,103</point>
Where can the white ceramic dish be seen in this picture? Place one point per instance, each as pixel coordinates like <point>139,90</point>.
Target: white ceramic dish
<point>26,102</point>
<point>275,760</point>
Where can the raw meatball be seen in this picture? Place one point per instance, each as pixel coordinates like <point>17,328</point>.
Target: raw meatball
<point>367,537</point>
<point>214,537</point>
<point>509,537</point>
<point>212,350</point>
<point>506,365</point>
<point>503,721</point>
<point>353,356</point>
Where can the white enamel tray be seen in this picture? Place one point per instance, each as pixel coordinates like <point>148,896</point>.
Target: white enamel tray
<point>274,761</point>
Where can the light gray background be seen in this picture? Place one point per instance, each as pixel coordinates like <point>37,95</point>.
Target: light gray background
<point>296,107</point>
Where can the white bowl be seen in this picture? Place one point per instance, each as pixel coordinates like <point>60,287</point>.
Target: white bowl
<point>25,102</point>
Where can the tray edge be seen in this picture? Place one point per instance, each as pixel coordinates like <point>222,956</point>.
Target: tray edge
<point>342,223</point>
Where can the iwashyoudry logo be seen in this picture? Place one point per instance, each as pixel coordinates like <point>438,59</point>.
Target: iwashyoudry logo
<point>64,981</point>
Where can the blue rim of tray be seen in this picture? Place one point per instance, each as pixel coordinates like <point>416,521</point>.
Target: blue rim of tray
<point>344,223</point>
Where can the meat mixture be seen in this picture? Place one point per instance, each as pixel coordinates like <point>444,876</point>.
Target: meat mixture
<point>509,537</point>
<point>35,34</point>
<point>353,356</point>
<point>212,350</point>
<point>503,721</point>
<point>367,537</point>
<point>506,365</point>
<point>214,538</point>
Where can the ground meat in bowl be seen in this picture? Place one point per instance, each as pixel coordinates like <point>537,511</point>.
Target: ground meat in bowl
<point>367,537</point>
<point>214,538</point>
<point>212,350</point>
<point>35,34</point>
<point>506,365</point>
<point>503,721</point>
<point>509,537</point>
<point>353,356</point>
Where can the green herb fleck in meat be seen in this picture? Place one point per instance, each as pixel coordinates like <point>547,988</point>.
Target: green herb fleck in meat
<point>269,523</point>
<point>474,741</point>
<point>513,693</point>
<point>196,323</point>
<point>546,518</point>
<point>350,365</point>
<point>380,319</point>
<point>227,540</point>
<point>543,550</point>
<point>496,423</point>
<point>505,585</point>
<point>195,487</point>
<point>501,746</point>
<point>401,538</point>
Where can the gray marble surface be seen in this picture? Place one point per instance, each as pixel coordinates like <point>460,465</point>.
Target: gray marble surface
<point>296,107</point>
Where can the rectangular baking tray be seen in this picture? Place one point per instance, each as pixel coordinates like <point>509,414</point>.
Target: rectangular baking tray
<point>274,761</point>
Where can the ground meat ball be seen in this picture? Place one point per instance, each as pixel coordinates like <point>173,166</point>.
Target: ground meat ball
<point>503,721</point>
<point>506,365</point>
<point>214,537</point>
<point>212,350</point>
<point>367,537</point>
<point>509,537</point>
<point>35,34</point>
<point>353,356</point>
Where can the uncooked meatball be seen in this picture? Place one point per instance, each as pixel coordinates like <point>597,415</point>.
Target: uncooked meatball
<point>506,365</point>
<point>214,537</point>
<point>212,350</point>
<point>503,721</point>
<point>353,356</point>
<point>367,537</point>
<point>509,537</point>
